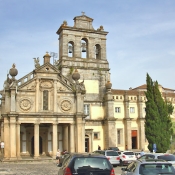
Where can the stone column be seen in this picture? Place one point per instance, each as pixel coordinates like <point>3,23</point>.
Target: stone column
<point>6,137</point>
<point>55,96</point>
<point>18,137</point>
<point>36,140</point>
<point>13,136</point>
<point>72,138</point>
<point>54,140</point>
<point>128,134</point>
<point>142,133</point>
<point>65,137</point>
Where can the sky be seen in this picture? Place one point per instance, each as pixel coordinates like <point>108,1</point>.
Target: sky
<point>141,36</point>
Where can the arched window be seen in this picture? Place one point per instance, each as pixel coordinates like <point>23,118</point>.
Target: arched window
<point>97,51</point>
<point>84,48</point>
<point>70,49</point>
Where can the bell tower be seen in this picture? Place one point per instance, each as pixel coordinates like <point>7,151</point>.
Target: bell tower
<point>83,48</point>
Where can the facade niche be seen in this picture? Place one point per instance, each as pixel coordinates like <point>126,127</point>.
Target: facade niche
<point>70,49</point>
<point>97,51</point>
<point>45,99</point>
<point>84,48</point>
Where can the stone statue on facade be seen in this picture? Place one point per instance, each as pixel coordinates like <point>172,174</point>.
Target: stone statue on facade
<point>36,62</point>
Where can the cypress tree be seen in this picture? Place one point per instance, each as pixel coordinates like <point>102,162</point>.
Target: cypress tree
<point>158,125</point>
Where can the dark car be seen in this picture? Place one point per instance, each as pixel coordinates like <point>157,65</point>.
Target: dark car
<point>85,163</point>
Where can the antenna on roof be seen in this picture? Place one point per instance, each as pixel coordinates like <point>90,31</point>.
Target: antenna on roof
<point>54,55</point>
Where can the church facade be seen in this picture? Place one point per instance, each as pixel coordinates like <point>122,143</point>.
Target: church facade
<point>70,104</point>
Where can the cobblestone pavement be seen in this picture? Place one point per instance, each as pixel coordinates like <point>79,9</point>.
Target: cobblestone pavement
<point>34,168</point>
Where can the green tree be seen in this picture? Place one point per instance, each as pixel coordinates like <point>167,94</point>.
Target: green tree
<point>158,125</point>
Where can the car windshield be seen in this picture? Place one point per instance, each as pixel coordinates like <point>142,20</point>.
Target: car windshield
<point>128,153</point>
<point>91,162</point>
<point>154,168</point>
<point>111,153</point>
<point>167,157</point>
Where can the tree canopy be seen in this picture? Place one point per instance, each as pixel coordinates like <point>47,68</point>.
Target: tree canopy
<point>158,125</point>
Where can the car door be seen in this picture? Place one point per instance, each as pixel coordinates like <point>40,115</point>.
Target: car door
<point>130,169</point>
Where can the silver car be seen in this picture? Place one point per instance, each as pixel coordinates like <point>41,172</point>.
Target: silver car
<point>149,167</point>
<point>165,156</point>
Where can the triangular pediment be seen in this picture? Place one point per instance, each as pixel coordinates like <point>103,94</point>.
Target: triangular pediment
<point>47,74</point>
<point>47,68</point>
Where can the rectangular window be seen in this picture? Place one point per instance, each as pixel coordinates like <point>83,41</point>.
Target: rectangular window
<point>45,100</point>
<point>117,109</point>
<point>132,110</point>
<point>96,135</point>
<point>86,111</point>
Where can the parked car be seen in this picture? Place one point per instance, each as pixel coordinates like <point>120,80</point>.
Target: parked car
<point>127,157</point>
<point>111,155</point>
<point>91,164</point>
<point>149,167</point>
<point>165,156</point>
<point>113,148</point>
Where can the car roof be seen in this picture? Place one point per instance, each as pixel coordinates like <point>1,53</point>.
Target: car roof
<point>150,161</point>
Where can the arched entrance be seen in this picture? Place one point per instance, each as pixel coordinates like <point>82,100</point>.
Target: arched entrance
<point>40,145</point>
<point>86,143</point>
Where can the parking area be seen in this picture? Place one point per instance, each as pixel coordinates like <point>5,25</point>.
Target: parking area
<point>34,168</point>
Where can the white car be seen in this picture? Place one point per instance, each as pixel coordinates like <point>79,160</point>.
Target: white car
<point>127,157</point>
<point>111,155</point>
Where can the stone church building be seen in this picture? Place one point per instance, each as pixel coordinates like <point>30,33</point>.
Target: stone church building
<point>70,104</point>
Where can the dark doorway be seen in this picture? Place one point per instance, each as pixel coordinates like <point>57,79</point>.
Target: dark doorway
<point>86,143</point>
<point>40,145</point>
<point>134,139</point>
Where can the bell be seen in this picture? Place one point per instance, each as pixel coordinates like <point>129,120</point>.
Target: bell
<point>70,49</point>
<point>83,47</point>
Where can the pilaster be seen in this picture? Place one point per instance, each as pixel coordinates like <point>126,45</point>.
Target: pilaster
<point>13,149</point>
<point>18,140</point>
<point>6,137</point>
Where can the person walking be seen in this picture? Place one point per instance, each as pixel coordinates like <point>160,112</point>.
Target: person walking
<point>99,148</point>
<point>58,154</point>
<point>142,153</point>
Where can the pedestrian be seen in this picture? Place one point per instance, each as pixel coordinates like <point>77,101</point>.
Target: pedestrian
<point>142,153</point>
<point>99,147</point>
<point>58,154</point>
